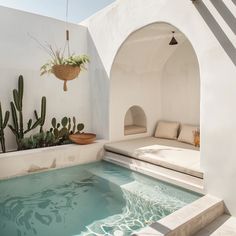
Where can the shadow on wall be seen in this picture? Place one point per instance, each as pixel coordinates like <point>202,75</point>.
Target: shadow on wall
<point>99,87</point>
<point>216,29</point>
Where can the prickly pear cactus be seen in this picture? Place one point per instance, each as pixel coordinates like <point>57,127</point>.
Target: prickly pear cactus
<point>68,126</point>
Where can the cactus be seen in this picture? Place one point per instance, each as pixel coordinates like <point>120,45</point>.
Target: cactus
<point>43,113</point>
<point>80,127</point>
<point>74,125</point>
<point>62,134</point>
<point>17,114</point>
<point>3,123</point>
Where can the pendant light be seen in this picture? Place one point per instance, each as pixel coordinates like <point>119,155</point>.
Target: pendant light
<point>173,40</point>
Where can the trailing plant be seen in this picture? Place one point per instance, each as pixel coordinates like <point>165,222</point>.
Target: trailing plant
<point>58,58</point>
<point>3,123</point>
<point>62,130</point>
<point>17,114</point>
<point>63,67</point>
<point>42,139</point>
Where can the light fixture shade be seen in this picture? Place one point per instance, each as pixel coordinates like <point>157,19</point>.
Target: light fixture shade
<point>173,41</point>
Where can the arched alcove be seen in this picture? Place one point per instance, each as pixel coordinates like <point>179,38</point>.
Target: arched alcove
<point>163,79</point>
<point>135,121</point>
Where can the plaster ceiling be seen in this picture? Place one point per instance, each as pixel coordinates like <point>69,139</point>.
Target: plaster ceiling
<point>148,48</point>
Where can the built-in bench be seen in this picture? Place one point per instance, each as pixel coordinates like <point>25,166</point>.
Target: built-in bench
<point>170,154</point>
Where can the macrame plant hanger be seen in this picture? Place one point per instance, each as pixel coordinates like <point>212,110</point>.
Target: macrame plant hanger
<point>67,44</point>
<point>63,69</point>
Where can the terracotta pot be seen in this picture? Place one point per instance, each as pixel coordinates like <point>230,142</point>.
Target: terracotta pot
<point>84,138</point>
<point>66,72</point>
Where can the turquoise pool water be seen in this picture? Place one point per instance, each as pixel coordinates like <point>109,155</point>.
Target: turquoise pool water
<point>93,199</point>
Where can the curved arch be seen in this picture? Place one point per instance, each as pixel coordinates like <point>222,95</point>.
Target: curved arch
<point>164,80</point>
<point>129,34</point>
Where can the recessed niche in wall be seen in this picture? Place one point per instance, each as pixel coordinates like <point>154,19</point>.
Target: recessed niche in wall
<point>135,121</point>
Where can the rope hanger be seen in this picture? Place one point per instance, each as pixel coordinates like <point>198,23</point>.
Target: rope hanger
<point>67,44</point>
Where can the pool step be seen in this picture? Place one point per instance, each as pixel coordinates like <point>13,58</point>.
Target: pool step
<point>224,225</point>
<point>174,177</point>
<point>187,220</point>
<point>147,192</point>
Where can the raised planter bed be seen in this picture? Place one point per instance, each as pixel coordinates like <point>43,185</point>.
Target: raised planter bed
<point>24,162</point>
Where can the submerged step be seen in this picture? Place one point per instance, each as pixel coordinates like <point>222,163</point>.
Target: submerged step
<point>146,200</point>
<point>180,179</point>
<point>187,220</point>
<point>156,192</point>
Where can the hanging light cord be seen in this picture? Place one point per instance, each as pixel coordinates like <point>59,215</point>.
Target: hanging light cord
<point>67,44</point>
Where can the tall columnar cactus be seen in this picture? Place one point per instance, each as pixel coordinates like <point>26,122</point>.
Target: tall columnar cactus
<point>3,123</point>
<point>17,114</point>
<point>43,113</point>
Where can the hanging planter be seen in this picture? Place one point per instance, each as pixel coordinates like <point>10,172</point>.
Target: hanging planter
<point>66,72</point>
<point>64,68</point>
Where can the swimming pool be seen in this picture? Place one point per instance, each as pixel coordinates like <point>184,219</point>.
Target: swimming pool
<point>93,199</point>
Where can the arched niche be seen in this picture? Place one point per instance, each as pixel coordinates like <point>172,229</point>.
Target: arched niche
<point>135,121</point>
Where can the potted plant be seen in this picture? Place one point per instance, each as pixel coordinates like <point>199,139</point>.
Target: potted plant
<point>64,68</point>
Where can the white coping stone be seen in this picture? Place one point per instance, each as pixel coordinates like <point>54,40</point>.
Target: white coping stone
<point>187,220</point>
<point>164,174</point>
<point>224,225</point>
<point>20,163</point>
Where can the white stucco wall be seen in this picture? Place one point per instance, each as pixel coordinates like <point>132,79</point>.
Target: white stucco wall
<point>213,42</point>
<point>20,54</point>
<point>180,86</point>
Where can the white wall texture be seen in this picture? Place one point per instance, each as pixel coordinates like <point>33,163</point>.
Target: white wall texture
<point>214,43</point>
<point>180,86</point>
<point>20,54</point>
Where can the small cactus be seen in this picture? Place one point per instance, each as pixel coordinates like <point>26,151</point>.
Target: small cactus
<point>74,125</point>
<point>54,122</point>
<point>80,127</point>
<point>3,123</point>
<point>43,113</point>
<point>68,126</point>
<point>64,121</point>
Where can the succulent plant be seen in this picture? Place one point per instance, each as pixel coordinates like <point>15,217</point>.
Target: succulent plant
<point>42,139</point>
<point>3,123</point>
<point>17,114</point>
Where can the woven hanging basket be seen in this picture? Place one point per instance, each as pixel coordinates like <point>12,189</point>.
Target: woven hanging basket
<point>65,72</point>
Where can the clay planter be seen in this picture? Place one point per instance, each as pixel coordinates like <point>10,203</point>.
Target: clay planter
<point>65,72</point>
<point>84,138</point>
